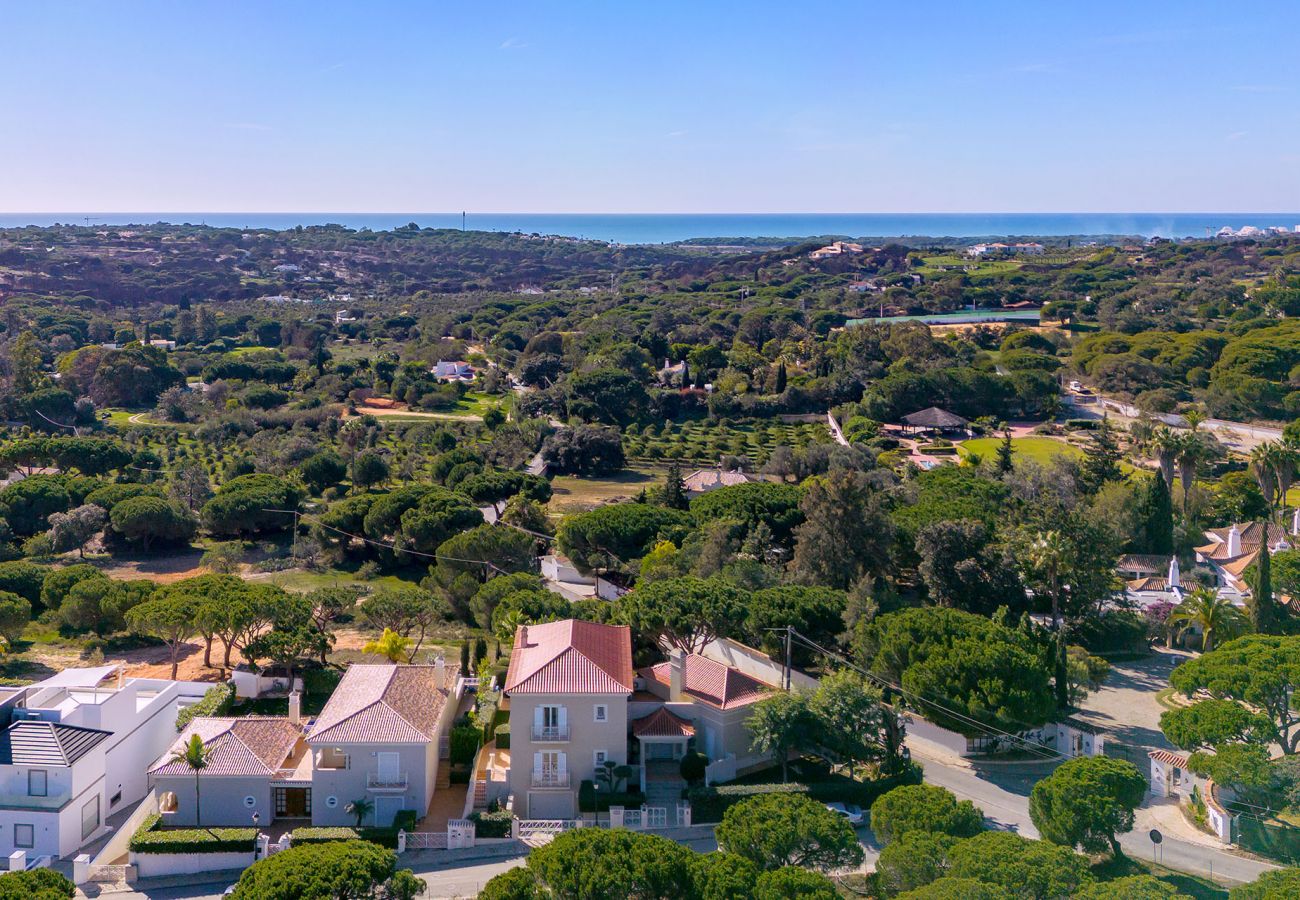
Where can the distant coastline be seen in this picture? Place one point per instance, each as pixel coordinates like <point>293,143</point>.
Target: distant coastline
<point>658,228</point>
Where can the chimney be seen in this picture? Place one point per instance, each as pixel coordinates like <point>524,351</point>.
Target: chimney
<point>440,669</point>
<point>1234,542</point>
<point>523,635</point>
<point>676,675</point>
<point>1173,572</point>
<point>1295,521</point>
<point>295,708</point>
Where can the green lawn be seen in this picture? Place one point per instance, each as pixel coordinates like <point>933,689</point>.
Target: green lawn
<point>1191,885</point>
<point>1039,449</point>
<point>302,581</point>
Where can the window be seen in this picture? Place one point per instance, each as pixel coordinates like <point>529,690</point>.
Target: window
<point>551,717</point>
<point>24,836</point>
<point>90,817</point>
<point>599,758</point>
<point>602,713</point>
<point>38,784</point>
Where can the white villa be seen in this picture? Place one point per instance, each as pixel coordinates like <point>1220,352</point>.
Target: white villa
<point>75,750</point>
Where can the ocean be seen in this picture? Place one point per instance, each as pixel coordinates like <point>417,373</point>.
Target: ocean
<point>658,228</point>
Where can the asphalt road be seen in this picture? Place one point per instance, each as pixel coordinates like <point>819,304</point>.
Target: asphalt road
<point>1003,793</point>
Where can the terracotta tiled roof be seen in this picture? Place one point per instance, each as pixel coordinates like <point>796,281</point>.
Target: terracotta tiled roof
<point>386,704</point>
<point>663,723</point>
<point>1239,565</point>
<point>571,657</point>
<point>1169,758</point>
<point>1151,583</point>
<point>712,682</point>
<point>255,745</point>
<point>1144,563</point>
<point>1251,534</point>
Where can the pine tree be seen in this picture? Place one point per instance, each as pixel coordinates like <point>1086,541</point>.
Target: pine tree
<point>1158,508</point>
<point>1005,464</point>
<point>1101,459</point>
<point>1265,615</point>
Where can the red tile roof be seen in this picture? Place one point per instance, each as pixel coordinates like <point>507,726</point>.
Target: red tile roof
<point>663,723</point>
<point>1169,758</point>
<point>254,745</point>
<point>385,704</point>
<point>714,683</point>
<point>571,657</point>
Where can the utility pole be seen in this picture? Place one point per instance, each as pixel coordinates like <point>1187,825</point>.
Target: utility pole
<point>789,634</point>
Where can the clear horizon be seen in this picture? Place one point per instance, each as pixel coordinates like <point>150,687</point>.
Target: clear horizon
<point>588,108</point>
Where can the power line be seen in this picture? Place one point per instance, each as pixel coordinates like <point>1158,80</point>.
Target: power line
<point>1036,749</point>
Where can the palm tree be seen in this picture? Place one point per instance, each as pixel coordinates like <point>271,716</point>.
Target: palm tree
<point>1264,465</point>
<point>508,624</point>
<point>1191,452</point>
<point>194,755</point>
<point>391,645</point>
<point>1167,445</point>
<point>1194,417</point>
<point>1215,616</point>
<point>360,809</point>
<point>1049,555</point>
<point>1285,458</point>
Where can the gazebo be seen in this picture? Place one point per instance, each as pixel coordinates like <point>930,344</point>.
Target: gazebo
<point>935,419</point>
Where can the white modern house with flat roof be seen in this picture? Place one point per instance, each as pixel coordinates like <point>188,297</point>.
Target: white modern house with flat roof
<point>75,750</point>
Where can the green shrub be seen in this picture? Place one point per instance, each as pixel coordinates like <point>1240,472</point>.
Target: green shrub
<point>216,702</point>
<point>35,884</point>
<point>384,837</point>
<point>464,742</point>
<point>149,839</point>
<point>591,800</point>
<point>492,824</point>
<point>503,736</point>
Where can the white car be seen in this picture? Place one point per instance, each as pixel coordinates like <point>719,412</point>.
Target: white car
<point>848,811</point>
<point>1076,386</point>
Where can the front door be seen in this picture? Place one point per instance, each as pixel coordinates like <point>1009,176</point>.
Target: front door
<point>386,808</point>
<point>293,803</point>
<point>389,763</point>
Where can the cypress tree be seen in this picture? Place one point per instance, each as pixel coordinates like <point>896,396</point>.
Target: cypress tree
<point>1265,615</point>
<point>674,489</point>
<point>780,377</point>
<point>1102,458</point>
<point>1159,517</point>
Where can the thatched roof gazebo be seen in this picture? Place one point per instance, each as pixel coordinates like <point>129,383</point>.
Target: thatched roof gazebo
<point>935,419</point>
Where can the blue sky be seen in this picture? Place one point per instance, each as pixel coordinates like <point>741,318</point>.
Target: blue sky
<point>649,107</point>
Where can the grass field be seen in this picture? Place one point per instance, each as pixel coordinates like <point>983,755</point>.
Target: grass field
<point>1039,449</point>
<point>571,494</point>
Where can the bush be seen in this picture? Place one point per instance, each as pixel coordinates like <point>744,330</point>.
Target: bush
<point>591,800</point>
<point>384,837</point>
<point>503,736</point>
<point>464,744</point>
<point>708,804</point>
<point>149,839</point>
<point>35,884</point>
<point>492,824</point>
<point>216,702</point>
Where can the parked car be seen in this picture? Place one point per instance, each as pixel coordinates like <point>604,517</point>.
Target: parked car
<point>848,811</point>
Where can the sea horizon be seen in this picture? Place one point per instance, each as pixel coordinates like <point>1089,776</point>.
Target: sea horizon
<point>660,228</point>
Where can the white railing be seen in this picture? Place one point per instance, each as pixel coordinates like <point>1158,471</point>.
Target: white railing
<point>632,819</point>
<point>550,779</point>
<point>550,733</point>
<point>426,840</point>
<point>380,782</point>
<point>531,828</point>
<point>653,816</point>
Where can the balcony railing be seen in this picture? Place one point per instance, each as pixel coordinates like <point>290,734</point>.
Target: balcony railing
<point>377,781</point>
<point>546,778</point>
<point>551,733</point>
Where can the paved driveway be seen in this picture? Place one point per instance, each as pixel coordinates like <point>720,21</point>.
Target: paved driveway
<point>1126,706</point>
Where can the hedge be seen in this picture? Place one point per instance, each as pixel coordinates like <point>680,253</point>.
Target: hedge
<point>503,736</point>
<point>149,839</point>
<point>216,702</point>
<point>592,800</point>
<point>492,824</point>
<point>384,837</point>
<point>464,742</point>
<point>709,803</point>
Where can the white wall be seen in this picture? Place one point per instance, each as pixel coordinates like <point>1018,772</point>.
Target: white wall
<point>755,664</point>
<point>151,865</point>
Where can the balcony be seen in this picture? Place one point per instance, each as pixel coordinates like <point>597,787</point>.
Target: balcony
<point>550,733</point>
<point>332,760</point>
<point>378,781</point>
<point>56,799</point>
<point>550,779</point>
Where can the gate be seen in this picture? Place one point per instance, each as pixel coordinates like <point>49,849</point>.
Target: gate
<point>426,840</point>
<point>654,817</point>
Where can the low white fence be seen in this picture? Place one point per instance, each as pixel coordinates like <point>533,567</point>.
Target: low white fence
<point>151,865</point>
